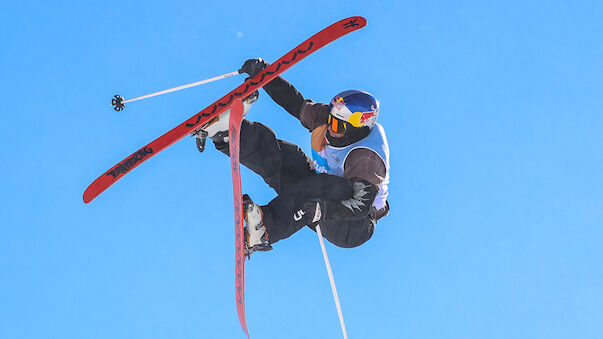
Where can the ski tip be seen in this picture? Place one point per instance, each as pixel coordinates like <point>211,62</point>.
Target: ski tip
<point>238,104</point>
<point>355,22</point>
<point>361,19</point>
<point>87,198</point>
<point>89,194</point>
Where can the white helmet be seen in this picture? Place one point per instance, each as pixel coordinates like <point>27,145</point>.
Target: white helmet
<point>353,109</point>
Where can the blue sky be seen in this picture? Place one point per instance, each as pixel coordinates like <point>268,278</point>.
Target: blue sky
<point>494,117</point>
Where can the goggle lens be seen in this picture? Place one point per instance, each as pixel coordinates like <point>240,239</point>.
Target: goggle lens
<point>338,126</point>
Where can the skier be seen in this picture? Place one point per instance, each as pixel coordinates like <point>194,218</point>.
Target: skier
<point>344,187</point>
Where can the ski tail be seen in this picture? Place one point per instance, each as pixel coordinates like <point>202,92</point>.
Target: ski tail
<point>306,48</point>
<point>236,116</point>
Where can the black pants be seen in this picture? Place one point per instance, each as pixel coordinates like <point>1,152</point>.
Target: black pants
<point>290,172</point>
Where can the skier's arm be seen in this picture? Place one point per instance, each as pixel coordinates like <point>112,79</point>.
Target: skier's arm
<point>366,164</point>
<point>357,206</point>
<point>284,94</point>
<point>365,170</point>
<point>339,198</point>
<point>313,115</point>
<point>279,89</point>
<point>310,114</point>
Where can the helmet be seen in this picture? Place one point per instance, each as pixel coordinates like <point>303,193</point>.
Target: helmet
<point>353,109</point>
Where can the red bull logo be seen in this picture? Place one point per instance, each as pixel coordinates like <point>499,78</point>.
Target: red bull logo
<point>366,116</point>
<point>359,119</point>
<point>338,102</point>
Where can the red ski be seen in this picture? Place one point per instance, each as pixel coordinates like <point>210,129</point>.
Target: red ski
<point>309,46</point>
<point>236,115</point>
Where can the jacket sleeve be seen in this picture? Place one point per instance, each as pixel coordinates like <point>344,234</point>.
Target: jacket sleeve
<point>313,114</point>
<point>365,171</point>
<point>366,164</point>
<point>284,94</point>
<point>340,198</point>
<point>309,113</point>
<point>356,206</point>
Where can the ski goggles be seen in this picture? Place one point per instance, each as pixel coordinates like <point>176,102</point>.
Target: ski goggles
<point>337,125</point>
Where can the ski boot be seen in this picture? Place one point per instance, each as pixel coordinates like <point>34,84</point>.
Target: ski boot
<point>218,126</point>
<point>256,237</point>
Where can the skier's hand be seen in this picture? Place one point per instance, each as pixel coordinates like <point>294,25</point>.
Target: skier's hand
<point>253,66</point>
<point>315,211</point>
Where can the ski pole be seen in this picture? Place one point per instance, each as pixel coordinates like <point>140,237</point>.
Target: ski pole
<point>119,102</point>
<point>335,296</point>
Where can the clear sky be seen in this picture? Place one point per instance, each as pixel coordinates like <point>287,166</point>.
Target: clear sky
<point>494,117</point>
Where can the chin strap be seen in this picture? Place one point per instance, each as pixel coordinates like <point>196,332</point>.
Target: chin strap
<point>351,136</point>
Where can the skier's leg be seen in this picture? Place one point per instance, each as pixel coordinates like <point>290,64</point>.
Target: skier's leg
<point>292,209</point>
<point>286,214</point>
<point>287,169</point>
<point>256,237</point>
<point>278,162</point>
<point>218,126</point>
<point>347,233</point>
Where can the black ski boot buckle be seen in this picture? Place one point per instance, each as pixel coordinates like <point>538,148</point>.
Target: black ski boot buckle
<point>201,137</point>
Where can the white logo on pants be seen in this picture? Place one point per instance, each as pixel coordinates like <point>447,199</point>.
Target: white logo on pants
<point>298,215</point>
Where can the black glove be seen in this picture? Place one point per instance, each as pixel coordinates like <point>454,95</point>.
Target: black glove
<point>253,66</point>
<point>314,211</point>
